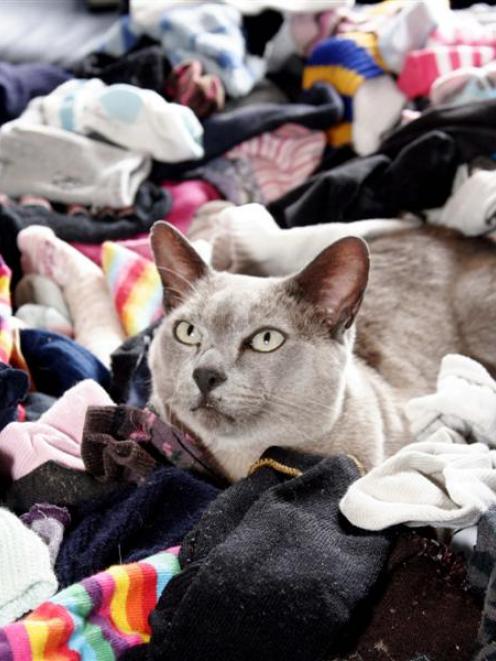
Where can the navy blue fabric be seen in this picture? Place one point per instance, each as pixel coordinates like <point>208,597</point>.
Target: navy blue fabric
<point>132,523</point>
<point>13,388</point>
<point>57,363</point>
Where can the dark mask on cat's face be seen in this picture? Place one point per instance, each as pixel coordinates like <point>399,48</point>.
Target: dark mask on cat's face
<point>251,362</point>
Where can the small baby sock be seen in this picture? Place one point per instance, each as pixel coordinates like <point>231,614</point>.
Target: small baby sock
<point>37,289</point>
<point>203,93</point>
<point>135,286</point>
<point>46,318</point>
<point>96,325</point>
<point>369,124</point>
<point>138,119</point>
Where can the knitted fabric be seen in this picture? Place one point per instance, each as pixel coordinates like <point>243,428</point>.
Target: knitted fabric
<point>345,62</point>
<point>132,522</point>
<point>26,577</point>
<point>272,572</point>
<point>134,284</point>
<point>99,618</point>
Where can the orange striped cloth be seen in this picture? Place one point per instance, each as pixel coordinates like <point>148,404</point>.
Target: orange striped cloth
<point>99,618</point>
<point>282,159</point>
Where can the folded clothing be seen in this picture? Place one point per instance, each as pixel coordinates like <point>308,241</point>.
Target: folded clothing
<point>138,119</point>
<point>100,617</point>
<point>55,436</point>
<point>26,578</point>
<point>94,172</point>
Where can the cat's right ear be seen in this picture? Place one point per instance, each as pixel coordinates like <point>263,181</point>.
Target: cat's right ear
<point>178,263</point>
<point>335,281</point>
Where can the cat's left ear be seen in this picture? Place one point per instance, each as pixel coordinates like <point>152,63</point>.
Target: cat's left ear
<point>178,263</point>
<point>335,281</point>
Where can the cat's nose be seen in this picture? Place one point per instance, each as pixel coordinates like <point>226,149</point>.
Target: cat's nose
<point>207,379</point>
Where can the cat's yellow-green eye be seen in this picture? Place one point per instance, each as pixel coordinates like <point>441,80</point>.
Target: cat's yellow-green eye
<point>187,333</point>
<point>266,340</point>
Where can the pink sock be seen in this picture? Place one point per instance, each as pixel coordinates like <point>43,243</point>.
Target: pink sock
<point>56,436</point>
<point>423,67</point>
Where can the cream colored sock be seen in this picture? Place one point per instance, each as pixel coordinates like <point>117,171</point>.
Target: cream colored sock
<point>246,239</point>
<point>96,325</point>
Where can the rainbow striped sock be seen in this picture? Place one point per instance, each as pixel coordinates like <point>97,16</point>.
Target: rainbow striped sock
<point>135,287</point>
<point>99,618</point>
<point>6,336</point>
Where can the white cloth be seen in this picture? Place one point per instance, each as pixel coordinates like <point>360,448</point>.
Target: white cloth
<point>440,480</point>
<point>66,167</point>
<point>131,117</point>
<point>26,576</point>
<point>437,482</point>
<point>464,401</point>
<point>471,209</point>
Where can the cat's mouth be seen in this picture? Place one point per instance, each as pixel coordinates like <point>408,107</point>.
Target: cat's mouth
<point>211,411</point>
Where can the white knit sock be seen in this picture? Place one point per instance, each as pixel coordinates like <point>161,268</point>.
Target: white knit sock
<point>377,106</point>
<point>26,578</point>
<point>96,324</point>
<point>437,482</point>
<point>246,239</point>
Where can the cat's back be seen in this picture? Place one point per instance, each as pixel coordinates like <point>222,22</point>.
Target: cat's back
<point>413,306</point>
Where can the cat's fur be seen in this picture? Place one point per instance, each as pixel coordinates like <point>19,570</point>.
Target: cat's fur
<point>330,388</point>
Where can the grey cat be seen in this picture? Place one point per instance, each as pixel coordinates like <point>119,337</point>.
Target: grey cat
<point>247,362</point>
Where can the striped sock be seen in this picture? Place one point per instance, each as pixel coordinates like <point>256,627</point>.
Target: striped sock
<point>99,618</point>
<point>423,67</point>
<point>135,287</point>
<point>345,62</point>
<point>282,159</point>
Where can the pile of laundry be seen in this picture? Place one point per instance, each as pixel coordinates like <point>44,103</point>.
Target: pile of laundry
<point>119,538</point>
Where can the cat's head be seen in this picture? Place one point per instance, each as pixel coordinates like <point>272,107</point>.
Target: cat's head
<point>254,362</point>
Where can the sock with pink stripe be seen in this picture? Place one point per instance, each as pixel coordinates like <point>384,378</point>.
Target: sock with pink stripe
<point>423,67</point>
<point>282,159</point>
<point>96,324</point>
